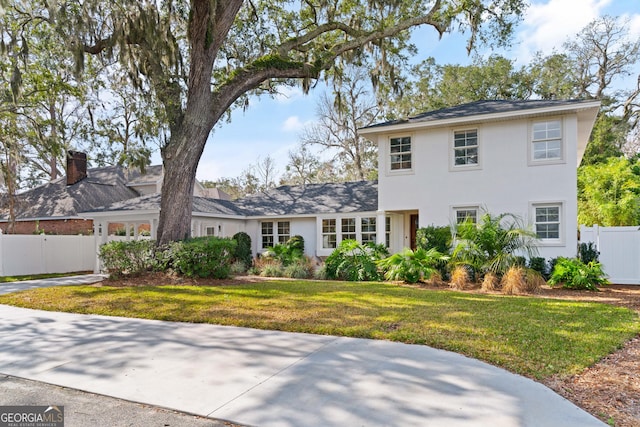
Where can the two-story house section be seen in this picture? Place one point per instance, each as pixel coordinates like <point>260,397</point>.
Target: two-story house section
<point>519,157</point>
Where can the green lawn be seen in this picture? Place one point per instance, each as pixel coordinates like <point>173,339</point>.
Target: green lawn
<point>532,336</point>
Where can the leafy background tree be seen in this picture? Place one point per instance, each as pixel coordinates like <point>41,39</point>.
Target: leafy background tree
<point>203,57</point>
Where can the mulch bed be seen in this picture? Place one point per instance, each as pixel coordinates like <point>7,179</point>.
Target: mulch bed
<point>610,389</point>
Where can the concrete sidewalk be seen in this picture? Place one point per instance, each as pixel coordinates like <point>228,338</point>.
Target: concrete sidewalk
<point>8,287</point>
<point>270,378</point>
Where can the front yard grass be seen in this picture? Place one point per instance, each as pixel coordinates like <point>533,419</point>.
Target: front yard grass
<point>531,336</point>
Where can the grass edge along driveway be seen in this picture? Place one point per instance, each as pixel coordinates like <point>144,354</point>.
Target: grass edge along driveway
<point>535,337</point>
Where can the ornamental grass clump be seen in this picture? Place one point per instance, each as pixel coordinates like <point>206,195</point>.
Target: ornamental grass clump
<point>521,280</point>
<point>490,282</point>
<point>460,278</point>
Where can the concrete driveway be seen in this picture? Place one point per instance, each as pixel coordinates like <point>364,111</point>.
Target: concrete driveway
<point>270,378</point>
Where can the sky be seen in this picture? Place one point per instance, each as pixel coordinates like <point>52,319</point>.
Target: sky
<point>271,126</point>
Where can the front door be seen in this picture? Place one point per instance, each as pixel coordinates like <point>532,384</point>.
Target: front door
<point>413,220</point>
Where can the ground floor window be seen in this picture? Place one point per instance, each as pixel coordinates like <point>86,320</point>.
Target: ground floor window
<point>210,231</point>
<point>387,231</point>
<point>547,221</point>
<point>284,231</point>
<point>267,234</point>
<point>466,214</point>
<point>348,229</point>
<point>329,237</point>
<point>368,230</point>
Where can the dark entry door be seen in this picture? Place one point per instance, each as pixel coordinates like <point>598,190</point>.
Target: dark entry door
<point>413,219</point>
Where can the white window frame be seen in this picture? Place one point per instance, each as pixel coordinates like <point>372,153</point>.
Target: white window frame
<point>456,209</point>
<point>352,231</point>
<point>559,241</point>
<point>532,141</point>
<point>452,150</point>
<point>339,232</point>
<point>411,153</point>
<point>371,221</point>
<point>282,237</point>
<point>329,233</point>
<point>264,245</point>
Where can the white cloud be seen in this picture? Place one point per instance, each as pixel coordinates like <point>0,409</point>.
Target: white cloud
<point>547,25</point>
<point>294,124</point>
<point>288,94</point>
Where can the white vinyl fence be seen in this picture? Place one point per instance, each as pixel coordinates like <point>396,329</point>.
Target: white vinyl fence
<point>42,254</point>
<point>619,251</point>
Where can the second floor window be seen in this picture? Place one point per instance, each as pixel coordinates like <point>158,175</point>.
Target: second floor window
<point>547,141</point>
<point>465,147</point>
<point>400,151</point>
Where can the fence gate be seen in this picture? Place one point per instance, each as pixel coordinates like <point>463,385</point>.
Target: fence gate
<point>619,251</point>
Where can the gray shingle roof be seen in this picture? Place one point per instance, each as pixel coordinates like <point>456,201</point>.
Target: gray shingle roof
<point>481,108</point>
<point>361,196</point>
<point>152,202</point>
<point>102,186</point>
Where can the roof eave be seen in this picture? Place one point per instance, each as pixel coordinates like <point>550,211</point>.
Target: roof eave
<point>523,113</point>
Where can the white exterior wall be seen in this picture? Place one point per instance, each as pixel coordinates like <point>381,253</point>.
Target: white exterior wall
<point>504,181</point>
<point>305,227</point>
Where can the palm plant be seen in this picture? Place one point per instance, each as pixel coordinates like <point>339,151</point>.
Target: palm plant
<point>411,266</point>
<point>494,244</point>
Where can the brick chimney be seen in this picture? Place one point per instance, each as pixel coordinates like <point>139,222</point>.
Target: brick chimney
<point>76,167</point>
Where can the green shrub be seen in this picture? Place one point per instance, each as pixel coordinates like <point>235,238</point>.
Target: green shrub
<point>354,261</point>
<point>587,252</point>
<point>203,257</point>
<point>287,253</point>
<point>411,266</point>
<point>574,274</point>
<point>432,237</point>
<point>539,264</point>
<point>127,258</point>
<point>243,248</point>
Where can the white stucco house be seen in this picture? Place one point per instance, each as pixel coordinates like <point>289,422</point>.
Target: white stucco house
<point>436,168</point>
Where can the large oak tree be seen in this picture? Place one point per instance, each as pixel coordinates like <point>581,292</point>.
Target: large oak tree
<point>199,58</point>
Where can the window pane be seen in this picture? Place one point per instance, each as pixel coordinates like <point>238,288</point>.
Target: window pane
<point>465,147</point>
<point>548,222</point>
<point>283,227</point>
<point>328,225</point>
<point>267,228</point>
<point>463,215</point>
<point>329,241</point>
<point>400,153</point>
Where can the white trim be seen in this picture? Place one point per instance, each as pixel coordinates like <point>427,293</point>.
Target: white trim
<point>470,207</point>
<point>561,240</point>
<point>563,142</point>
<point>480,118</point>
<point>452,158</point>
<point>387,155</point>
